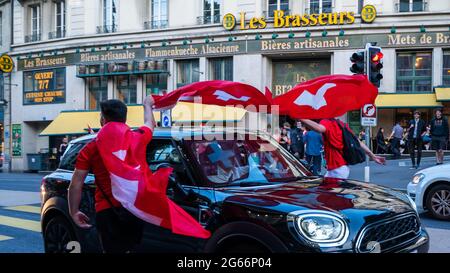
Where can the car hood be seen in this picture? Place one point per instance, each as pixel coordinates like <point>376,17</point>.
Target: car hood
<point>440,169</point>
<point>345,197</point>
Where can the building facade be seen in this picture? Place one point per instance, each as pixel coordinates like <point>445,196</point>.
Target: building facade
<point>72,54</point>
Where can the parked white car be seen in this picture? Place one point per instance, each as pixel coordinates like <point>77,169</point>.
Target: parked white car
<point>430,189</point>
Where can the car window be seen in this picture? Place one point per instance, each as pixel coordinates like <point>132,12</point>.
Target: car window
<point>244,159</point>
<point>162,153</point>
<point>69,158</point>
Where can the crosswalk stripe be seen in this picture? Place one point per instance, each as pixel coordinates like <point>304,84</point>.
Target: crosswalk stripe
<point>20,223</point>
<point>4,238</point>
<point>31,209</point>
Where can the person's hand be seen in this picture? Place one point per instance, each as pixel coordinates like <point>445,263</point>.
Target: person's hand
<point>81,220</point>
<point>379,160</point>
<point>149,100</point>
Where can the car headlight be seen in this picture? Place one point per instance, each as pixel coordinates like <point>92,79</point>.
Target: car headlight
<point>326,229</point>
<point>411,202</point>
<point>418,178</point>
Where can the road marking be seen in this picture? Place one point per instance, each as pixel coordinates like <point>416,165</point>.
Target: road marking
<point>4,238</point>
<point>20,223</point>
<point>31,209</point>
<point>402,164</point>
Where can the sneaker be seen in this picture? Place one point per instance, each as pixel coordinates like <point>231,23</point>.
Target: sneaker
<point>413,167</point>
<point>418,166</point>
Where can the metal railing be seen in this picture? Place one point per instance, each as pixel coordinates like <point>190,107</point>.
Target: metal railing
<point>204,20</point>
<point>107,29</point>
<point>156,24</point>
<point>32,38</point>
<point>411,7</point>
<point>57,34</point>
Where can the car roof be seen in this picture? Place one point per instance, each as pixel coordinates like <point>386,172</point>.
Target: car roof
<point>184,132</point>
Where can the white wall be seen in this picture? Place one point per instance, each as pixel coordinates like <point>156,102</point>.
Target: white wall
<point>6,27</point>
<point>249,69</point>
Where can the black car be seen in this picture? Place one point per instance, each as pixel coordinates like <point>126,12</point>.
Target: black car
<point>251,194</point>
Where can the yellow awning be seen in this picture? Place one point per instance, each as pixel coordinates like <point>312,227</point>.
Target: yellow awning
<point>76,122</point>
<point>443,93</point>
<point>396,100</point>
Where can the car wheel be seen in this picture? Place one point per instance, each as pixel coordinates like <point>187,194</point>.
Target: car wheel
<point>58,233</point>
<point>245,249</point>
<point>438,202</point>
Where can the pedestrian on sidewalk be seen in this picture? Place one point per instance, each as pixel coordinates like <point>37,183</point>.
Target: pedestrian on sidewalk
<point>119,231</point>
<point>314,143</point>
<point>297,145</point>
<point>439,135</point>
<point>416,131</point>
<point>395,138</point>
<point>381,143</point>
<point>333,141</point>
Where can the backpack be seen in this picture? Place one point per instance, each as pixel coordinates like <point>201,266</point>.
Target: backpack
<point>352,153</point>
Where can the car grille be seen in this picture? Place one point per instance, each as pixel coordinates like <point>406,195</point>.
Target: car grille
<point>389,234</point>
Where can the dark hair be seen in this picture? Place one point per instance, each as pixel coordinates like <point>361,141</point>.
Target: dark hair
<point>114,110</point>
<point>417,112</point>
<point>438,110</point>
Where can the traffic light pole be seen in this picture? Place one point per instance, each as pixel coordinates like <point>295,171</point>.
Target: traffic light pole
<point>367,167</point>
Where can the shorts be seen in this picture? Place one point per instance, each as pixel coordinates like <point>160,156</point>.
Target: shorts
<point>438,143</point>
<point>342,172</point>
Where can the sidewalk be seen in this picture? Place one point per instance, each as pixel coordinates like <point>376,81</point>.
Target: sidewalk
<point>395,174</point>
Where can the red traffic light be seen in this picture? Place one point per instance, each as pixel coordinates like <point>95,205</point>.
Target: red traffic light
<point>377,57</point>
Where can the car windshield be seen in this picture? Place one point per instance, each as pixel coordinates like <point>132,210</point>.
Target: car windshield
<point>243,159</point>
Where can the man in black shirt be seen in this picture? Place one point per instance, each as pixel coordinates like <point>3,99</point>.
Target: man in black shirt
<point>416,130</point>
<point>439,135</point>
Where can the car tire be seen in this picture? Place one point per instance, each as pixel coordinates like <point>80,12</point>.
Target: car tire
<point>246,249</point>
<point>57,235</point>
<point>438,202</point>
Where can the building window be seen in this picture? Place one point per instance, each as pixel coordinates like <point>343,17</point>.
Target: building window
<point>411,5</point>
<point>110,17</point>
<point>414,72</point>
<point>221,69</point>
<point>127,88</point>
<point>98,91</point>
<point>35,24</point>
<point>274,5</point>
<point>286,74</point>
<point>159,12</point>
<point>446,69</point>
<point>44,86</point>
<point>211,12</point>
<point>156,84</point>
<point>188,72</point>
<point>60,21</point>
<point>320,6</point>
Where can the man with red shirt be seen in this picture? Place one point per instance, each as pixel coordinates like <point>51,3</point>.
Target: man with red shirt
<point>334,147</point>
<point>118,229</point>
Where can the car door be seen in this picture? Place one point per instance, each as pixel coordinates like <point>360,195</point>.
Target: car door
<point>164,153</point>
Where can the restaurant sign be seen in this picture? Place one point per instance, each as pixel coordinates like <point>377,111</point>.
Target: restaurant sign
<point>299,43</point>
<point>44,86</point>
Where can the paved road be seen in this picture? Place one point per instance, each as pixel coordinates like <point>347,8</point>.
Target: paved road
<point>19,207</point>
<point>20,213</point>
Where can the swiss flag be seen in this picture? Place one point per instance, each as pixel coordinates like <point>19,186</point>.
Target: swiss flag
<point>140,191</point>
<point>327,97</point>
<point>221,93</point>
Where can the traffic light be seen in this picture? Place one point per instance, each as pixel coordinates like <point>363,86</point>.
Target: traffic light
<point>374,65</point>
<point>358,60</point>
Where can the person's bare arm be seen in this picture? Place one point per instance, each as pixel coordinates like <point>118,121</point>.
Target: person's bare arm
<point>314,125</point>
<point>378,159</point>
<point>149,118</point>
<point>74,196</point>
